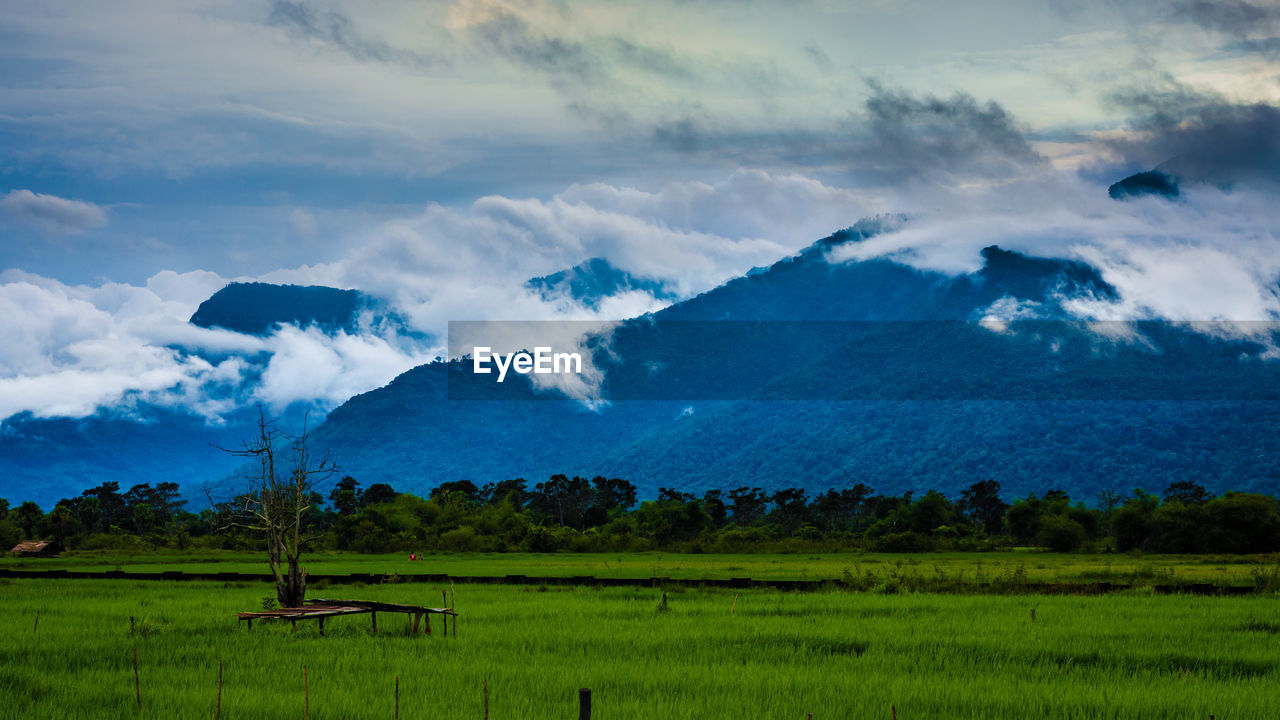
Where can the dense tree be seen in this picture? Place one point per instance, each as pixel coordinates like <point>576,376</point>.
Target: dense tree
<point>458,491</point>
<point>1187,492</point>
<point>981,503</point>
<point>574,513</point>
<point>513,492</point>
<point>747,504</point>
<point>1061,534</point>
<point>564,500</point>
<point>713,504</point>
<point>790,508</point>
<point>29,515</point>
<point>838,510</point>
<point>345,496</point>
<point>377,493</point>
<point>110,505</point>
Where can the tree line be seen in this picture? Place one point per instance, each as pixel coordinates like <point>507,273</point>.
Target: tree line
<point>605,514</point>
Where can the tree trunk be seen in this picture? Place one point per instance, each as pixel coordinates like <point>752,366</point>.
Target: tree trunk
<point>291,589</point>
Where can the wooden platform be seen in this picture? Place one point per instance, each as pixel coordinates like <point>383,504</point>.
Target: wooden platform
<point>320,609</point>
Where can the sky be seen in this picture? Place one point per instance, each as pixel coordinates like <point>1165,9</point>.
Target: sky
<point>439,154</point>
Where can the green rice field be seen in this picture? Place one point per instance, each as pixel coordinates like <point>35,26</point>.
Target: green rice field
<point>867,568</point>
<point>706,653</point>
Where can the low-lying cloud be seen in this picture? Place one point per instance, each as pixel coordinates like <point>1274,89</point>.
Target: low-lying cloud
<point>51,214</point>
<point>1212,256</point>
<point>72,350</point>
<point>1199,135</point>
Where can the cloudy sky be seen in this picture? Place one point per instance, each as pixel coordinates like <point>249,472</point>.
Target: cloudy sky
<point>437,154</point>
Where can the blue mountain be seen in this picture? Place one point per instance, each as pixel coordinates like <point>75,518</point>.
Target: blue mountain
<point>594,280</point>
<point>821,374</point>
<point>255,308</point>
<point>1151,182</point>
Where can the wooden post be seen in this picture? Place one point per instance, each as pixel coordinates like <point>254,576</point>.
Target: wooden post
<point>893,712</point>
<point>306,695</point>
<point>451,596</point>
<point>218,713</point>
<point>36,627</point>
<point>250,623</point>
<point>374,614</point>
<point>137,684</point>
<point>584,704</point>
<point>397,717</point>
<point>735,603</point>
<point>427,617</point>
<point>486,699</point>
<point>321,620</point>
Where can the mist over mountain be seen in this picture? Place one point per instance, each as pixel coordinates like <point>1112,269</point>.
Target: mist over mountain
<point>594,280</point>
<point>814,371</point>
<point>1151,182</point>
<point>45,459</point>
<point>822,374</point>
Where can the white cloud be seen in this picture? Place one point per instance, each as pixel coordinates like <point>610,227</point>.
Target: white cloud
<point>72,349</point>
<point>1212,255</point>
<point>51,214</point>
<point>309,366</point>
<point>63,355</point>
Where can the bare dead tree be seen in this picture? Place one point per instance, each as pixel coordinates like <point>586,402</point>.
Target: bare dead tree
<point>280,499</point>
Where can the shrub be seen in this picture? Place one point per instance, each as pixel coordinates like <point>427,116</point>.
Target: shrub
<point>1061,534</point>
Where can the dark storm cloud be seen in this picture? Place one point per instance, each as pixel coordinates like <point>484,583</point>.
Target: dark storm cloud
<point>1199,135</point>
<point>563,60</point>
<point>818,55</point>
<point>337,30</point>
<point>1233,17</point>
<point>898,137</point>
<point>910,136</point>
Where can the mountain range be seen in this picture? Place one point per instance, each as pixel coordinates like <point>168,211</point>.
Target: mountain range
<point>812,372</point>
<point>822,374</point>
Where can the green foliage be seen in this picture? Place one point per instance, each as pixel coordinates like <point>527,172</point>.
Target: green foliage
<point>779,655</point>
<point>600,514</point>
<point>1061,534</point>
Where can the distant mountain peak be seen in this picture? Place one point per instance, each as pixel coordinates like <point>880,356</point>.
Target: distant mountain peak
<point>1152,182</point>
<point>1040,278</point>
<point>254,308</point>
<point>593,280</point>
<point>865,228</point>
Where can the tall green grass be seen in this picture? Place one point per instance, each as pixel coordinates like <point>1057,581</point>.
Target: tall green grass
<point>779,655</point>
<point>947,568</point>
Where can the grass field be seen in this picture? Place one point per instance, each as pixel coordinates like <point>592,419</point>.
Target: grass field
<point>962,567</point>
<point>779,655</point>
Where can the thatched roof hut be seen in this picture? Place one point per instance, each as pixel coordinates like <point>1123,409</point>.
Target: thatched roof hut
<point>37,548</point>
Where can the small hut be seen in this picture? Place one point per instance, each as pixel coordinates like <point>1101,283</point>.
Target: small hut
<point>37,548</point>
